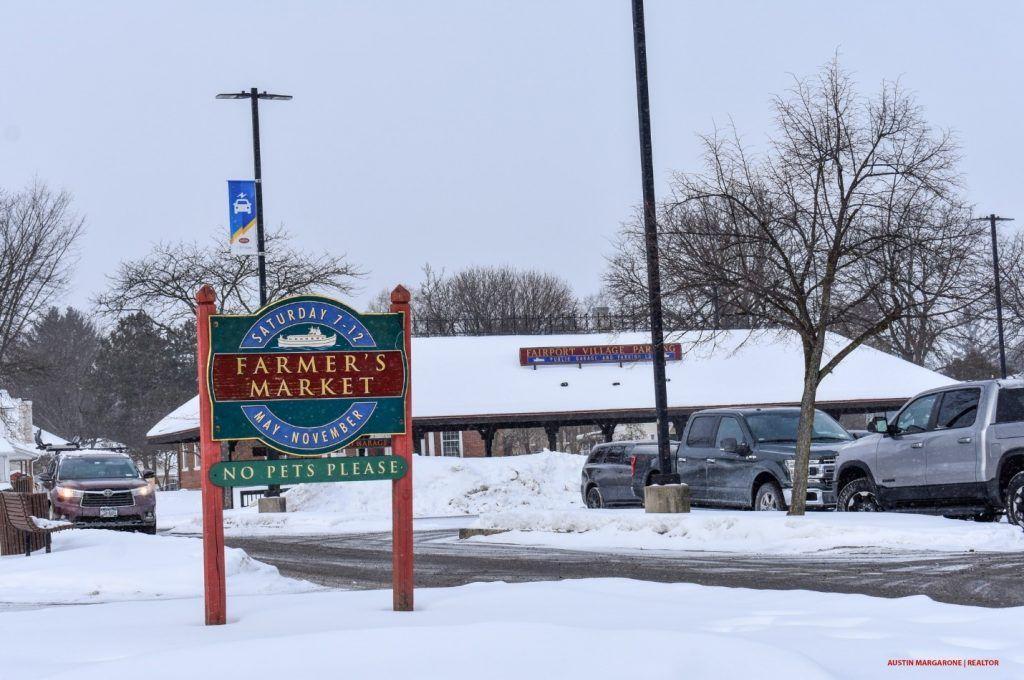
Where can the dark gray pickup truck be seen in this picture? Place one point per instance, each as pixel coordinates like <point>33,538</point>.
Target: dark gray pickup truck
<point>743,458</point>
<point>955,451</point>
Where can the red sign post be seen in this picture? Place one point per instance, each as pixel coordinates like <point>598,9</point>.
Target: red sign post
<point>401,489</point>
<point>214,587</point>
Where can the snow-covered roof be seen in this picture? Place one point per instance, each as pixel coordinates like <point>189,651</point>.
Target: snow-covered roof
<point>182,419</point>
<point>481,376</point>
<point>50,438</point>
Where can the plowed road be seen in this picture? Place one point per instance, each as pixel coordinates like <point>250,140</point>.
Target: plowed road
<point>364,561</point>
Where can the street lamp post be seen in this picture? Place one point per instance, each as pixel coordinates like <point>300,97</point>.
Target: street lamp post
<point>992,219</point>
<point>254,96</point>
<point>643,105</point>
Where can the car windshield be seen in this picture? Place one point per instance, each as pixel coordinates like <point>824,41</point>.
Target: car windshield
<point>781,427</point>
<point>98,468</point>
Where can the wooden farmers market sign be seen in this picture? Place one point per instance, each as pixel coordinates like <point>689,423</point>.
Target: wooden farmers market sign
<point>307,376</point>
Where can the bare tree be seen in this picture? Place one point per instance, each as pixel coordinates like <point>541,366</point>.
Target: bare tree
<point>489,300</point>
<point>38,236</point>
<point>1011,269</point>
<point>381,302</point>
<point>831,225</point>
<point>941,290</point>
<point>163,283</point>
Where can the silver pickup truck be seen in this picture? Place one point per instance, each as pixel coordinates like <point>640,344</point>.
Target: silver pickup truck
<point>956,451</point>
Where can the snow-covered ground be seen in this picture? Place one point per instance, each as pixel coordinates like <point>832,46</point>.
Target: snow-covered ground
<point>141,607</point>
<point>105,566</point>
<point>595,629</point>
<point>748,532</point>
<point>442,487</point>
<point>537,497</point>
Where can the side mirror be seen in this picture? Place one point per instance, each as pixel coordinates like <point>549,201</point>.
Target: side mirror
<point>148,474</point>
<point>729,445</point>
<point>879,425</point>
<point>743,449</point>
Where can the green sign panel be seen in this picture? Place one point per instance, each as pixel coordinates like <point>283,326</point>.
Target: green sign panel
<point>307,375</point>
<point>263,472</point>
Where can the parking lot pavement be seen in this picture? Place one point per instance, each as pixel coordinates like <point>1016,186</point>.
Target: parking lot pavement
<point>364,561</point>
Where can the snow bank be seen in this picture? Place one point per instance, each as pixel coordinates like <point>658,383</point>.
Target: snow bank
<point>458,486</point>
<point>595,629</point>
<point>748,532</point>
<point>103,566</point>
<point>442,487</point>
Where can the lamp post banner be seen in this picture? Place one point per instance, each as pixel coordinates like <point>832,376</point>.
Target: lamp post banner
<point>307,375</point>
<point>242,216</point>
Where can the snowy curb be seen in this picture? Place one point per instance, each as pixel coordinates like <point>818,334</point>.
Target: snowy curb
<point>747,532</point>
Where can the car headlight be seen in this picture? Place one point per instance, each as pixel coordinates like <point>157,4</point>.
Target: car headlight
<point>814,470</point>
<point>142,490</point>
<point>66,493</point>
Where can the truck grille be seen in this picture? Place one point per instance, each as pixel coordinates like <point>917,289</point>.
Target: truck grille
<point>823,474</point>
<point>95,499</point>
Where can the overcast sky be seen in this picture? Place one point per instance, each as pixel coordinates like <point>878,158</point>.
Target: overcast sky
<point>453,132</point>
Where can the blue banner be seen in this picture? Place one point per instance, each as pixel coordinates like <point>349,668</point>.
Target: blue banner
<point>242,216</point>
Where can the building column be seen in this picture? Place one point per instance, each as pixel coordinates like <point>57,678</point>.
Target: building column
<point>679,424</point>
<point>487,432</point>
<point>417,441</point>
<point>608,430</point>
<point>228,453</point>
<point>552,432</point>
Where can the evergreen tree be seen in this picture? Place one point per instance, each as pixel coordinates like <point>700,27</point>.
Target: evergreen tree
<point>142,372</point>
<point>52,366</point>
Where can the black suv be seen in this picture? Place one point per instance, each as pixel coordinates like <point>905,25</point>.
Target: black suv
<point>608,472</point>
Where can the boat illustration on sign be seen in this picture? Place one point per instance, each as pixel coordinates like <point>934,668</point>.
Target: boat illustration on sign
<point>314,338</point>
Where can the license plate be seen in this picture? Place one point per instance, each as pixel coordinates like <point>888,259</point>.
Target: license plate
<point>108,512</point>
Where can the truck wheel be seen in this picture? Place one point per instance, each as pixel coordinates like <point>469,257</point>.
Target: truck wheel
<point>1015,500</point>
<point>858,496</point>
<point>594,499</point>
<point>769,497</point>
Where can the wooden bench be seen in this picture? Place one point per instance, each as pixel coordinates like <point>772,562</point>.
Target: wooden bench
<point>17,508</point>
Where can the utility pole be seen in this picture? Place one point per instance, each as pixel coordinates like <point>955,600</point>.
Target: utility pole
<point>992,219</point>
<point>643,105</point>
<point>254,96</point>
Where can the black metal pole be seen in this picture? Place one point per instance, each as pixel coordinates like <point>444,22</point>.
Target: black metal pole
<point>253,95</point>
<point>999,295</point>
<point>643,106</point>
<point>258,176</point>
<point>273,490</point>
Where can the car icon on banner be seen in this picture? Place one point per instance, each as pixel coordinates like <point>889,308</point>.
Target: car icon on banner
<point>242,205</point>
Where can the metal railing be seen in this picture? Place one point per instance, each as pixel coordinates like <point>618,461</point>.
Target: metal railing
<point>529,325</point>
<point>557,324</point>
<point>251,496</point>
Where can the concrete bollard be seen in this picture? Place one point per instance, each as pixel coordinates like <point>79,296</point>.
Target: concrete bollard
<point>272,504</point>
<point>667,498</point>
